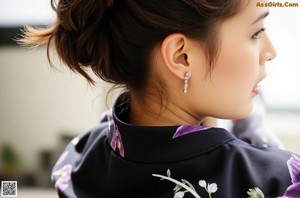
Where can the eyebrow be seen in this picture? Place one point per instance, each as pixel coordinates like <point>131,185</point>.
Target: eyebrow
<point>262,16</point>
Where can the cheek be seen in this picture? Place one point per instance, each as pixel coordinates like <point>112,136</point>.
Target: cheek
<point>227,93</point>
<point>233,78</point>
<point>236,69</point>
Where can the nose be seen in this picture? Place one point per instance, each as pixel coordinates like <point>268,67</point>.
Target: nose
<point>268,51</point>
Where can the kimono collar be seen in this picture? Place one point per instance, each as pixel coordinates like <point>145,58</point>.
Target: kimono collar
<point>162,144</point>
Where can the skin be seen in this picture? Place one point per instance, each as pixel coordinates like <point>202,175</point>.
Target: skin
<point>228,92</point>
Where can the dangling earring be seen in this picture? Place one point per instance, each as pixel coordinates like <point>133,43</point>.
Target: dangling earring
<point>187,77</point>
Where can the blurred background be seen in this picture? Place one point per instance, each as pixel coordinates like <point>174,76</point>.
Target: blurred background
<point>42,109</point>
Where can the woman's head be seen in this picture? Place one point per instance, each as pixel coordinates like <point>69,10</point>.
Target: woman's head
<point>116,38</point>
<point>239,66</point>
<point>119,40</point>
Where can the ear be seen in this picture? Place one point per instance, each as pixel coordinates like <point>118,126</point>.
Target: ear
<point>173,50</point>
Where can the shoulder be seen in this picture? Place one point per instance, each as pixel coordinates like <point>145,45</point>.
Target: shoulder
<point>268,167</point>
<point>260,152</point>
<point>83,152</point>
<point>259,157</point>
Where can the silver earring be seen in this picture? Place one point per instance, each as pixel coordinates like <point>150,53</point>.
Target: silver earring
<point>187,77</point>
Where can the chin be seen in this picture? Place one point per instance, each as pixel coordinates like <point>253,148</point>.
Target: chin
<point>239,114</point>
<point>245,112</point>
<point>232,111</point>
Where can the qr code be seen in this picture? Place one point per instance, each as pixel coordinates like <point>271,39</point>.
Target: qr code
<point>8,189</point>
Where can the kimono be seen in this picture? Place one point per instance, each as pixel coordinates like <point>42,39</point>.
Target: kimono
<point>117,159</point>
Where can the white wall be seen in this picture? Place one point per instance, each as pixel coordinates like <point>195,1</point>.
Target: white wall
<point>285,124</point>
<point>19,12</point>
<point>37,104</point>
<point>282,85</point>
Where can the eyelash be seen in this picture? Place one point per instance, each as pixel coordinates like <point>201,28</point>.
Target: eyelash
<point>257,34</point>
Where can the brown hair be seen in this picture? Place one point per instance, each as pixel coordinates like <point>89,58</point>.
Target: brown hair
<point>115,38</point>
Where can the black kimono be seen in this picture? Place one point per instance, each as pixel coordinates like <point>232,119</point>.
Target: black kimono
<point>117,159</point>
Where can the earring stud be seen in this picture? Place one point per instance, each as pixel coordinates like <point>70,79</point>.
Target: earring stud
<point>187,77</point>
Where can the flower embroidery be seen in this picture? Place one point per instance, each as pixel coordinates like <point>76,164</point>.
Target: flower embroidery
<point>187,129</point>
<point>293,190</point>
<point>186,187</point>
<point>210,188</point>
<point>255,193</point>
<point>183,186</point>
<point>179,194</point>
<point>64,175</point>
<point>116,142</point>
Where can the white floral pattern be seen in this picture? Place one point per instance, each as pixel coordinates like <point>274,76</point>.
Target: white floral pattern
<point>255,193</point>
<point>186,187</point>
<point>183,186</point>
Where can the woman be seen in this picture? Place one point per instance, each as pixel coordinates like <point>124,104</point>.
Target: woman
<point>180,62</point>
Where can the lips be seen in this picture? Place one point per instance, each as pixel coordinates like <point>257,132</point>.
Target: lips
<point>256,88</point>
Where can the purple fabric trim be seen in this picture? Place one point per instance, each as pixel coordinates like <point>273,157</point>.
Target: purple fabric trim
<point>187,129</point>
<point>116,142</point>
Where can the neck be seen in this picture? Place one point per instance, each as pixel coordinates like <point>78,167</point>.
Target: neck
<point>151,113</point>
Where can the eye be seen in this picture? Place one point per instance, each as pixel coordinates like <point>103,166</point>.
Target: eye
<point>257,34</point>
